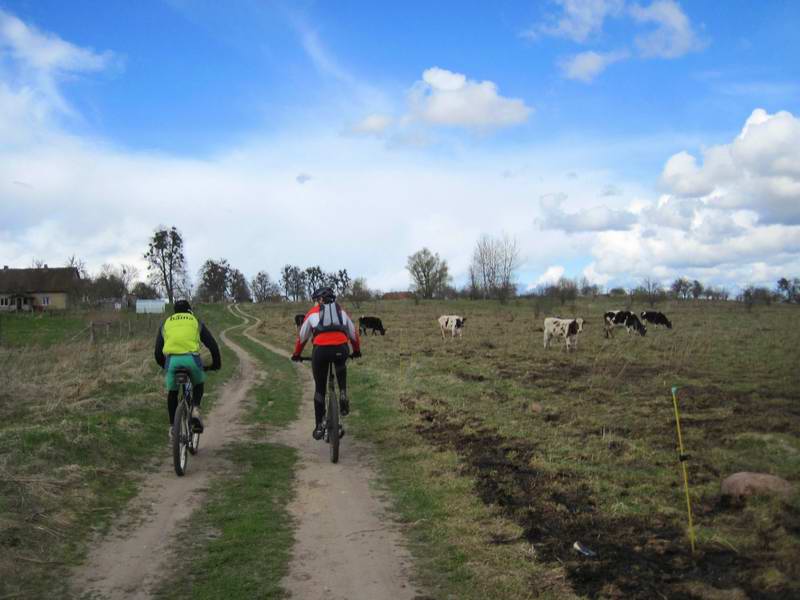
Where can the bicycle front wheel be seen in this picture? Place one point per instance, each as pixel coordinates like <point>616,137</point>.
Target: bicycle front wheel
<point>180,438</point>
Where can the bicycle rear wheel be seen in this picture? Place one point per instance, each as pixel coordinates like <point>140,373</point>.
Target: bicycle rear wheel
<point>180,438</point>
<point>332,416</point>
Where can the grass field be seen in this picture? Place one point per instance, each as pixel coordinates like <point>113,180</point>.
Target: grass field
<point>77,423</point>
<point>500,454</point>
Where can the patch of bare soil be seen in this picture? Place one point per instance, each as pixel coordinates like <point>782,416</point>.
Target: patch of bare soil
<point>644,557</point>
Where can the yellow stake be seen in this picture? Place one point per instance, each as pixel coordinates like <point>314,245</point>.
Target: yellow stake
<point>682,459</point>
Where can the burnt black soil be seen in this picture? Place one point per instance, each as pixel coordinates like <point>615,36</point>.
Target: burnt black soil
<point>644,557</point>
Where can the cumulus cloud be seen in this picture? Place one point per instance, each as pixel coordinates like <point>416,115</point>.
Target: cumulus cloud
<point>443,97</point>
<point>673,35</point>
<point>588,65</point>
<point>579,19</point>
<point>598,218</point>
<point>759,170</point>
<point>551,275</point>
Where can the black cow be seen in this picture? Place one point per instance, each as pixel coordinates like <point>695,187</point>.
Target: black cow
<point>373,323</point>
<point>656,318</point>
<point>298,319</point>
<point>623,318</point>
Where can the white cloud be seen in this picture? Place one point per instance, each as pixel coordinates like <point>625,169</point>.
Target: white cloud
<point>596,218</point>
<point>588,65</point>
<point>610,190</point>
<point>759,170</point>
<point>579,20</point>
<point>673,35</point>
<point>303,178</point>
<point>551,275</point>
<point>371,125</point>
<point>446,98</point>
<point>45,52</point>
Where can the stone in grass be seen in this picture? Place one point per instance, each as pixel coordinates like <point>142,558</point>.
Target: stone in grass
<point>536,408</point>
<point>740,485</point>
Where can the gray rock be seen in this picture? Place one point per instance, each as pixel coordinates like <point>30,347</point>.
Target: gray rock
<point>748,484</point>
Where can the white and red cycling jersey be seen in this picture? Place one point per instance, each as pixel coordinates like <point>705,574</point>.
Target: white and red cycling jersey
<point>307,331</point>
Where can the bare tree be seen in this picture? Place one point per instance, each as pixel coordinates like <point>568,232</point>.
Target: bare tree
<point>651,290</point>
<point>429,273</point>
<point>38,263</point>
<point>493,267</point>
<point>264,288</point>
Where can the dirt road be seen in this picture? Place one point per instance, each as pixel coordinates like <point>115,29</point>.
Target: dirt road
<point>345,544</point>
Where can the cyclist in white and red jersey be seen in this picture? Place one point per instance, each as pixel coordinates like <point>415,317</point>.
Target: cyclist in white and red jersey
<point>331,329</point>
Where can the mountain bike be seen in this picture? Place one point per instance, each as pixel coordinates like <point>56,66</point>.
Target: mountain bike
<point>185,440</point>
<point>333,430</point>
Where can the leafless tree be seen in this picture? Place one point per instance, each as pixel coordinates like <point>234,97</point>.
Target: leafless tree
<point>651,290</point>
<point>494,264</point>
<point>166,262</point>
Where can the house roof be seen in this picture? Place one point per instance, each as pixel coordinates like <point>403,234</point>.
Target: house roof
<point>30,281</point>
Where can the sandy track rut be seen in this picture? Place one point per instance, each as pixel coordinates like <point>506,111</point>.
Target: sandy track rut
<point>346,545</point>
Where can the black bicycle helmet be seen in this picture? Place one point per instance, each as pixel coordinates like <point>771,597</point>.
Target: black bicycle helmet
<point>183,306</point>
<point>325,293</point>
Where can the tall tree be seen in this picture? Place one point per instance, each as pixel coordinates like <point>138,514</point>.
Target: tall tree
<point>166,263</point>
<point>293,282</point>
<point>215,280</point>
<point>264,288</point>
<point>143,291</point>
<point>240,291</point>
<point>429,273</point>
<point>696,289</point>
<point>494,265</point>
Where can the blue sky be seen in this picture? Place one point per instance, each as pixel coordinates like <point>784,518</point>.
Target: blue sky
<point>613,139</point>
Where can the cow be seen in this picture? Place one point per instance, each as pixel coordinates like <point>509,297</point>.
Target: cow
<point>566,328</point>
<point>298,319</point>
<point>623,318</point>
<point>452,323</point>
<point>373,323</point>
<point>656,318</point>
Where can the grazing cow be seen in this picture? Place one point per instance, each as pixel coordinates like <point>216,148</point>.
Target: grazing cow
<point>452,323</point>
<point>566,328</point>
<point>623,318</point>
<point>298,319</point>
<point>373,323</point>
<point>656,318</point>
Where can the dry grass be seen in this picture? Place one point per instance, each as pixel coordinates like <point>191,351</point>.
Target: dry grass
<point>582,445</point>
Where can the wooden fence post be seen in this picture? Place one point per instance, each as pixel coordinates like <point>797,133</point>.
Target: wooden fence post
<point>91,332</point>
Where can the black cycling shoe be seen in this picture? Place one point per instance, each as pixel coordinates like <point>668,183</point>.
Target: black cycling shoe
<point>344,405</point>
<point>319,431</point>
<point>197,422</point>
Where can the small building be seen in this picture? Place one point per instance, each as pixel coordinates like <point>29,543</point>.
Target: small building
<point>150,306</point>
<point>38,289</point>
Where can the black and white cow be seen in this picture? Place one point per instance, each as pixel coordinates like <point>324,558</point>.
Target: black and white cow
<point>623,318</point>
<point>373,323</point>
<point>452,323</point>
<point>565,328</point>
<point>656,318</point>
<point>298,320</point>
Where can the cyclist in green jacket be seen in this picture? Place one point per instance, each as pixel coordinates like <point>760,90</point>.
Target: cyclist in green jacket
<point>178,346</point>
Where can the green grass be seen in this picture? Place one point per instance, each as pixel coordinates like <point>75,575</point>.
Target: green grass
<point>78,423</point>
<point>455,421</point>
<point>239,543</point>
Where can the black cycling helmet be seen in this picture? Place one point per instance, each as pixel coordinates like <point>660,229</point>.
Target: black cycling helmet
<point>325,293</point>
<point>182,306</point>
